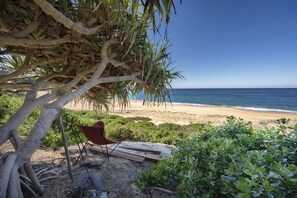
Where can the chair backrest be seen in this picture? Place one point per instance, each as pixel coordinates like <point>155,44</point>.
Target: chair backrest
<point>95,133</point>
<point>99,124</point>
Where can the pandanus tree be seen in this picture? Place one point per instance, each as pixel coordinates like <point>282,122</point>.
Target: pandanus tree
<point>96,50</point>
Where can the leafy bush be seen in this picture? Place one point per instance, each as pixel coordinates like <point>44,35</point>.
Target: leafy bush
<point>9,104</point>
<point>232,160</point>
<point>116,127</point>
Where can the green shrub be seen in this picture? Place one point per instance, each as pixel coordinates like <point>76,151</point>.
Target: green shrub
<point>9,104</point>
<point>170,127</point>
<point>232,160</point>
<point>120,133</point>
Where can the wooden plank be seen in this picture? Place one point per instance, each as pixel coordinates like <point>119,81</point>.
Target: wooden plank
<point>149,156</point>
<point>140,149</point>
<point>119,154</point>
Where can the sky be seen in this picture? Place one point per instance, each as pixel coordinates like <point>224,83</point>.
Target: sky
<point>235,43</point>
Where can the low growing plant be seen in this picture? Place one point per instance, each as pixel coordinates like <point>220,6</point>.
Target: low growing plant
<point>232,160</point>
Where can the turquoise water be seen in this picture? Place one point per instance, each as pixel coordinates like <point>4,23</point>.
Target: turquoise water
<point>254,99</point>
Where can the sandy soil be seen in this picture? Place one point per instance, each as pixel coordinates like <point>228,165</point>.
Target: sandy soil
<point>186,114</point>
<point>117,176</point>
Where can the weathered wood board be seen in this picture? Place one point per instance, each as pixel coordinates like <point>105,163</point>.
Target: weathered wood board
<point>119,154</point>
<point>143,149</point>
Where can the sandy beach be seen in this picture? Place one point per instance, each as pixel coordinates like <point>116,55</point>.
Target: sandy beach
<point>186,114</point>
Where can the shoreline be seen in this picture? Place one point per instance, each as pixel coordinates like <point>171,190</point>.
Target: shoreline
<point>235,107</point>
<point>183,114</point>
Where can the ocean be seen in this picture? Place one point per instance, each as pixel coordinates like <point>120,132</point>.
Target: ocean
<point>276,99</point>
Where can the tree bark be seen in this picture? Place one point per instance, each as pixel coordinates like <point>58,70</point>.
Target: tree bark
<point>32,176</point>
<point>37,134</point>
<point>14,188</point>
<point>27,30</point>
<point>27,169</point>
<point>59,17</point>
<point>12,41</point>
<point>5,173</point>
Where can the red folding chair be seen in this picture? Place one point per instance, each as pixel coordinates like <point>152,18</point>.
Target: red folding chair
<point>95,135</point>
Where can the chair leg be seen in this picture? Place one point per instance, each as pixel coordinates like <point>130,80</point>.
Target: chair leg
<point>81,151</point>
<point>106,152</point>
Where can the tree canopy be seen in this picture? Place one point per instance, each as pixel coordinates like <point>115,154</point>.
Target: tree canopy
<point>96,50</point>
<point>64,42</point>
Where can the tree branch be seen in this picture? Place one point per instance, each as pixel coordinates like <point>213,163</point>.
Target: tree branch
<point>14,85</point>
<point>24,69</point>
<point>118,64</point>
<point>27,30</point>
<point>141,82</point>
<point>118,78</point>
<point>59,17</point>
<point>102,65</point>
<point>12,41</point>
<point>105,46</point>
<point>71,84</point>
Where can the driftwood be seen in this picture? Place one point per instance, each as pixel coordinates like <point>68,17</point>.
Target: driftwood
<point>163,190</point>
<point>48,178</point>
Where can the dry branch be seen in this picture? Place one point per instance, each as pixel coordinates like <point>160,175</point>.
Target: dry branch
<point>59,17</point>
<point>14,85</point>
<point>47,178</point>
<point>118,78</point>
<point>27,187</point>
<point>27,30</point>
<point>12,41</point>
<point>118,64</point>
<point>162,189</point>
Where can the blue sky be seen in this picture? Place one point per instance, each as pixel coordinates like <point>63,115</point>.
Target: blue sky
<point>235,43</point>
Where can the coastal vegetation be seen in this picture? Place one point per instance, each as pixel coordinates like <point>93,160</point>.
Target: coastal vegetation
<point>231,160</point>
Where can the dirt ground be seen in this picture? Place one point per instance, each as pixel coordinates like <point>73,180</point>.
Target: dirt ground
<point>117,177</point>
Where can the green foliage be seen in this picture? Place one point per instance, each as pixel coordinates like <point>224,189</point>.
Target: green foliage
<point>9,104</point>
<point>140,119</point>
<point>232,160</point>
<point>116,127</point>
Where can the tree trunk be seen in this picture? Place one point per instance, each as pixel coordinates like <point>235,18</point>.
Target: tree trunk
<point>15,121</point>
<point>5,173</point>
<point>27,168</point>
<point>37,134</point>
<point>29,105</point>
<point>9,179</point>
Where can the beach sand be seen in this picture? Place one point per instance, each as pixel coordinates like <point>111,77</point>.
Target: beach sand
<point>185,114</point>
